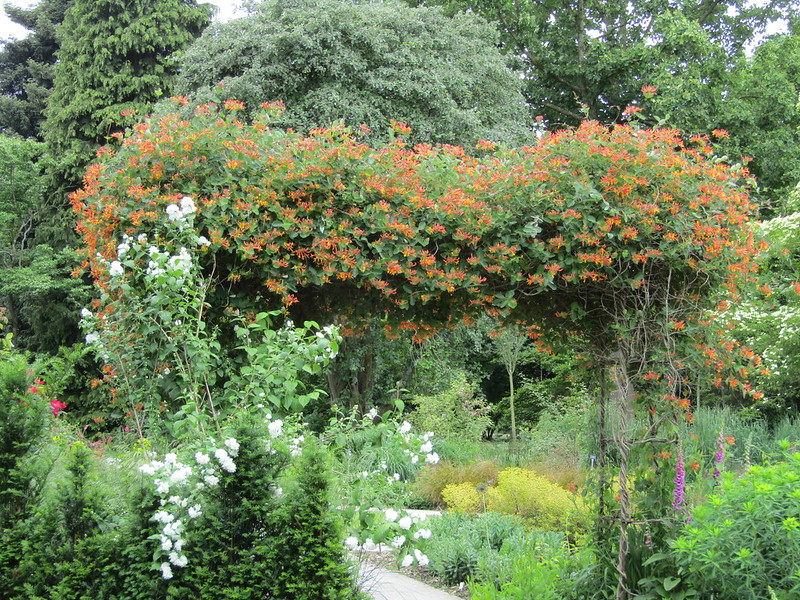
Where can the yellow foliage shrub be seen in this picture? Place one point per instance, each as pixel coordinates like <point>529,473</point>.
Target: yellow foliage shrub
<point>539,502</point>
<point>463,497</point>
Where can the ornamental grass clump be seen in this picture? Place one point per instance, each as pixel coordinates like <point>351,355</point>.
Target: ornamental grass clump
<point>432,481</point>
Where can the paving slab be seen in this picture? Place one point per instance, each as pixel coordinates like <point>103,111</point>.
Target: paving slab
<point>382,584</point>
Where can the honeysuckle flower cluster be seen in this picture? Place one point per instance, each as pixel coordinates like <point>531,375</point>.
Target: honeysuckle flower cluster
<point>179,485</point>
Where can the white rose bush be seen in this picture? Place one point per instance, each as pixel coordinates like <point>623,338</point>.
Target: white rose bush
<point>165,365</point>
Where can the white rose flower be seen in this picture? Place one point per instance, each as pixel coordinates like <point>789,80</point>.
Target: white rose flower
<point>391,515</point>
<point>203,241</point>
<point>432,458</point>
<point>187,205</point>
<point>399,541</point>
<point>275,428</point>
<point>163,516</point>
<point>405,427</point>
<point>351,542</point>
<point>174,213</point>
<point>211,480</point>
<point>201,458</point>
<point>232,445</point>
<point>426,447</point>
<point>422,533</point>
<point>173,529</point>
<point>195,511</point>
<point>86,313</point>
<point>405,523</point>
<point>180,475</point>
<point>115,268</point>
<point>408,560</point>
<point>166,570</point>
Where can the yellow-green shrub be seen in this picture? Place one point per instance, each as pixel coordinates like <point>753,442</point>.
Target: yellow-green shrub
<point>463,497</point>
<point>539,502</point>
<point>536,500</point>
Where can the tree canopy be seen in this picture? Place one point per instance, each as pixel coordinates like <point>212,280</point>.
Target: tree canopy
<point>600,54</point>
<point>362,63</point>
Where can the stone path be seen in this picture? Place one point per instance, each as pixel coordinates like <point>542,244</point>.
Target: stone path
<point>382,584</point>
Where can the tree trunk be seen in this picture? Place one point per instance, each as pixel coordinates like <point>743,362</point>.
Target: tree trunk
<point>601,459</point>
<point>511,403</point>
<point>623,394</point>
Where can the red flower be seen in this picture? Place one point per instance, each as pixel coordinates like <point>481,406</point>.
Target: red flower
<point>57,407</point>
<point>695,466</point>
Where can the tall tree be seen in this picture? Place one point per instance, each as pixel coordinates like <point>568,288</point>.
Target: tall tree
<point>27,67</point>
<point>115,61</point>
<point>40,297</point>
<point>363,63</point>
<point>752,104</point>
<point>599,53</point>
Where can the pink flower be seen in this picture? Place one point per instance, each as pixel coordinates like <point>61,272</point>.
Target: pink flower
<point>680,482</point>
<point>57,407</point>
<point>719,457</point>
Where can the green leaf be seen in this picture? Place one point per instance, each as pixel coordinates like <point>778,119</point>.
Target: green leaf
<point>671,582</point>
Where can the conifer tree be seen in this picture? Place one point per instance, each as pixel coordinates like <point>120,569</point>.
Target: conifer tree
<point>27,67</point>
<point>115,61</point>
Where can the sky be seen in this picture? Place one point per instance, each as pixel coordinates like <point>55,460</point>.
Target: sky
<point>8,29</point>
